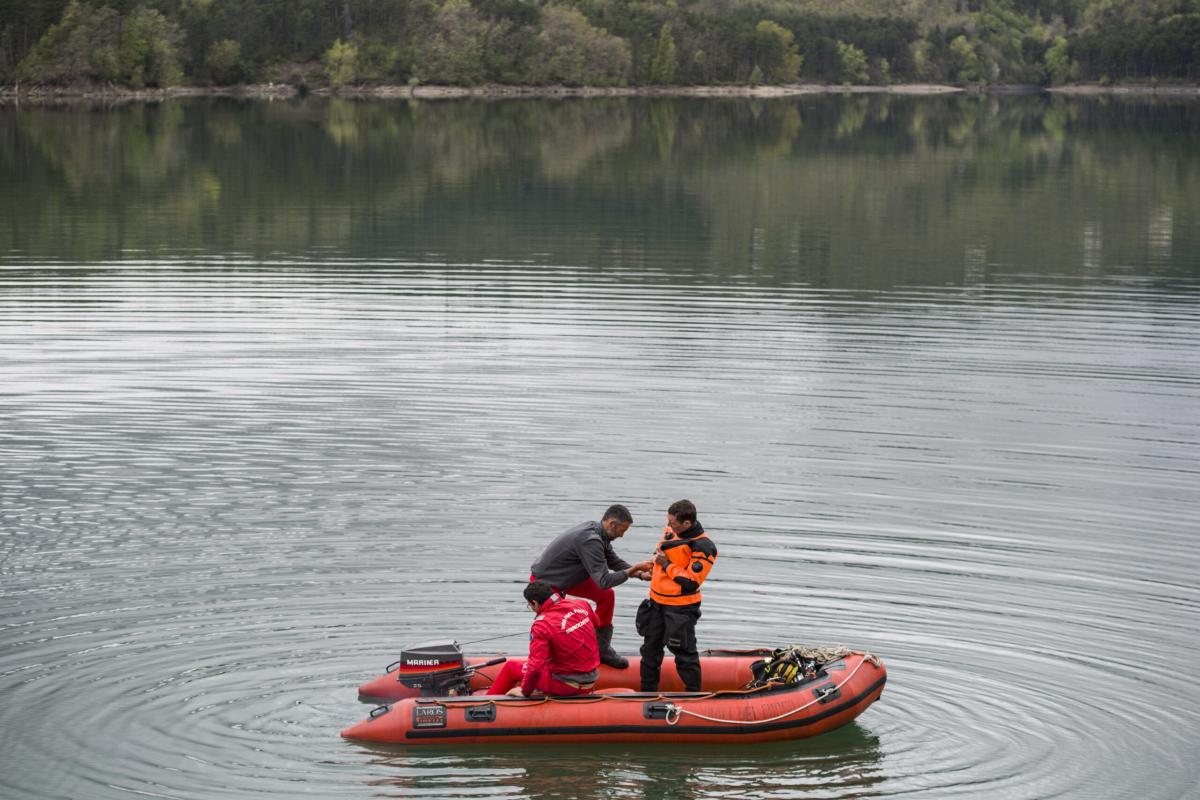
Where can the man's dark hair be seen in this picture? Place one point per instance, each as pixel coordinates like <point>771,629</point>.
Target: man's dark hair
<point>538,592</point>
<point>683,510</point>
<point>618,512</point>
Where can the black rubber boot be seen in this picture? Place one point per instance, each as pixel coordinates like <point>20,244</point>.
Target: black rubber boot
<point>607,654</point>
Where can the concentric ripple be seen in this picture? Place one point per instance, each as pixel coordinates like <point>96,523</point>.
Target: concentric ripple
<point>218,523</point>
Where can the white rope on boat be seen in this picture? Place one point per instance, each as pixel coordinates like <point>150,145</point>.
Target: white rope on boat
<point>674,711</point>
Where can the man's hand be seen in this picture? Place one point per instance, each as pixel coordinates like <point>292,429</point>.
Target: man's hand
<point>661,559</point>
<point>515,691</point>
<point>641,566</point>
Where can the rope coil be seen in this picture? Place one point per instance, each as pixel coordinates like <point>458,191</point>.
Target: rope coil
<point>674,712</point>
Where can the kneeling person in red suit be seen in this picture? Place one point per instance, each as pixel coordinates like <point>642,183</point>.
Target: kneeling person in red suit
<point>564,658</point>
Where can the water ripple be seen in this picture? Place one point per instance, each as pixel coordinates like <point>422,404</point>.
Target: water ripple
<point>232,488</point>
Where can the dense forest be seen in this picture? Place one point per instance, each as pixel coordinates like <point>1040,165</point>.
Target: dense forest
<point>315,43</point>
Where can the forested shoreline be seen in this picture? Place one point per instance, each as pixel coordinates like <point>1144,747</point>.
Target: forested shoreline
<point>331,44</point>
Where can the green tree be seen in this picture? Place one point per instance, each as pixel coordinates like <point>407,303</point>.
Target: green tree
<point>853,62</point>
<point>22,24</point>
<point>576,53</point>
<point>341,62</point>
<point>663,66</point>
<point>149,54</point>
<point>224,61</point>
<point>883,71</point>
<point>81,47</point>
<point>965,60</point>
<point>453,51</point>
<point>776,52</point>
<point>376,61</point>
<point>922,60</point>
<point>509,50</point>
<point>1059,65</point>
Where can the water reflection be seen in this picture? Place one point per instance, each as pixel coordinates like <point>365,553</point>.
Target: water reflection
<point>862,191</point>
<point>846,763</point>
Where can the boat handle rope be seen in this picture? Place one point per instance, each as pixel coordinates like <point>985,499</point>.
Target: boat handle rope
<point>674,711</point>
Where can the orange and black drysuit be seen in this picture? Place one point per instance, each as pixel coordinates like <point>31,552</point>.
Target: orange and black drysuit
<point>668,616</point>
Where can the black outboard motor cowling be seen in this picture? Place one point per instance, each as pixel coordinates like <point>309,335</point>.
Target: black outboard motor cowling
<point>431,667</point>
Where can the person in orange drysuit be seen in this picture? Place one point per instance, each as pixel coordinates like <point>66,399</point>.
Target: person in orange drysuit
<point>669,615</point>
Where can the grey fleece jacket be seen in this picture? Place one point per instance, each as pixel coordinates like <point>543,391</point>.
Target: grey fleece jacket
<point>578,554</point>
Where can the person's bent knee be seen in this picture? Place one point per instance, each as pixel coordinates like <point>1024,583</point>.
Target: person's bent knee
<point>606,605</point>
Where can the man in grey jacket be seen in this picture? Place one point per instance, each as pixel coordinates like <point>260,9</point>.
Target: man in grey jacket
<point>581,562</point>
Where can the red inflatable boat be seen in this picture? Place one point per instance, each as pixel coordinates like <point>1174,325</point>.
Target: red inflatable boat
<point>433,705</point>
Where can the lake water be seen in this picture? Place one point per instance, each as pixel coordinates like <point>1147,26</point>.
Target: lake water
<point>285,386</point>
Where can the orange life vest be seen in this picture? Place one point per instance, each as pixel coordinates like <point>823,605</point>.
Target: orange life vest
<point>678,583</point>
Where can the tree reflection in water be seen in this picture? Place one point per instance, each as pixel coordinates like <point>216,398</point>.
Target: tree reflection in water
<point>855,192</point>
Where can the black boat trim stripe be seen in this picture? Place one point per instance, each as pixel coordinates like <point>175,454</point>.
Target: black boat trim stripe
<point>649,730</point>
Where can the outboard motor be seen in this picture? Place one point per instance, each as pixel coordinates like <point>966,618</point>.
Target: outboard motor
<point>433,668</point>
<point>437,669</point>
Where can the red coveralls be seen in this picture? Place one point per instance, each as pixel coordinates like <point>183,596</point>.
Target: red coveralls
<point>562,641</point>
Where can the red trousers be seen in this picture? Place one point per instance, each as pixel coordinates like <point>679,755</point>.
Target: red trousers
<point>605,599</point>
<point>513,673</point>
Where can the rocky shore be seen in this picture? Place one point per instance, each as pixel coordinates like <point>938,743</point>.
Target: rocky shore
<point>41,94</point>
